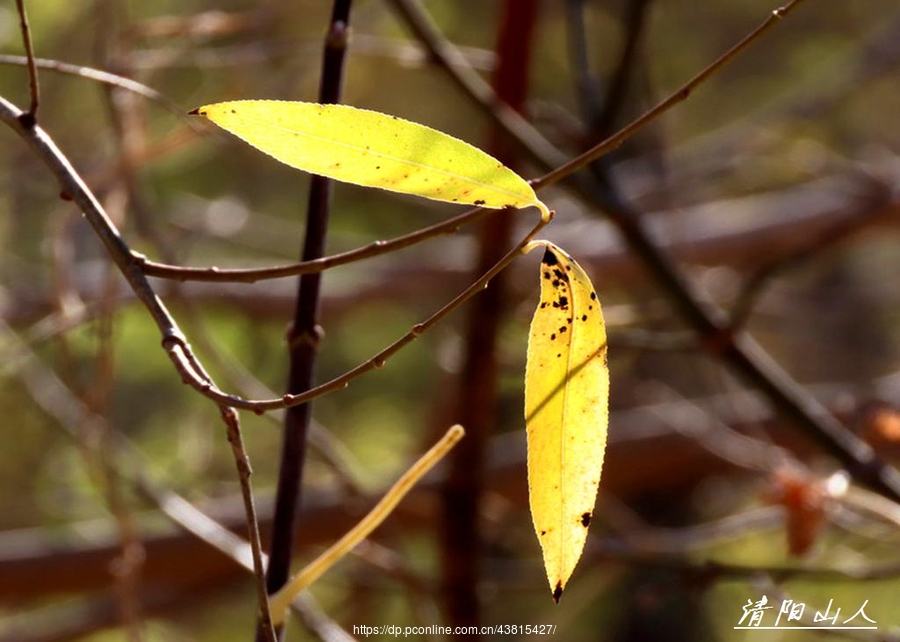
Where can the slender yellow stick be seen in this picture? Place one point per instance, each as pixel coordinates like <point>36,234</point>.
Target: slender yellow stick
<point>281,601</point>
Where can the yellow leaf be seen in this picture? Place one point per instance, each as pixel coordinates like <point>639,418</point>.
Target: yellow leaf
<point>375,150</point>
<point>566,412</point>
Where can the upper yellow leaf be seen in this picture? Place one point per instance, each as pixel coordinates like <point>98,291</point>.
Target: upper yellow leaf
<point>373,149</point>
<point>566,412</point>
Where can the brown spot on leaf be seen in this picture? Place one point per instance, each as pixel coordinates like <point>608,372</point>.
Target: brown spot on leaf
<point>586,519</point>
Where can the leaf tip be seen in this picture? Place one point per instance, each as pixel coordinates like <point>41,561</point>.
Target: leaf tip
<point>557,592</point>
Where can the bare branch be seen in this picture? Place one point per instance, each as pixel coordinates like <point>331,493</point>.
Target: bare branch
<point>32,69</point>
<point>312,266</point>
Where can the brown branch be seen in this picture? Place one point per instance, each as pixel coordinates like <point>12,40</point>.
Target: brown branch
<point>312,266</point>
<point>304,333</point>
<point>32,69</point>
<point>107,78</point>
<point>461,532</point>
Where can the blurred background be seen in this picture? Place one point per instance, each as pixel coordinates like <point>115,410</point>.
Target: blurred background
<point>774,191</point>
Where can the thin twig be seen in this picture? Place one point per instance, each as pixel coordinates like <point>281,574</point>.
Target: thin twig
<point>378,361</point>
<point>251,275</point>
<point>104,77</point>
<point>242,461</point>
<point>32,69</point>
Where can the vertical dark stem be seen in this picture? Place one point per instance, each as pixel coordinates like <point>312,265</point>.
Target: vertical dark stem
<point>32,67</point>
<point>460,533</point>
<point>305,333</point>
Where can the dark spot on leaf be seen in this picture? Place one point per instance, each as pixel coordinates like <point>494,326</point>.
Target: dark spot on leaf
<point>543,533</point>
<point>479,202</point>
<point>549,258</point>
<point>556,283</point>
<point>543,304</point>
<point>556,304</point>
<point>562,329</point>
<point>563,302</point>
<point>585,519</point>
<point>553,337</point>
<point>593,296</point>
<point>584,317</point>
<point>546,275</point>
<point>560,274</point>
<point>558,355</point>
<point>378,167</point>
<point>557,592</point>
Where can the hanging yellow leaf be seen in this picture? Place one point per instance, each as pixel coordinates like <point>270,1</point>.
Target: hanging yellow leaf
<point>566,411</point>
<point>375,150</point>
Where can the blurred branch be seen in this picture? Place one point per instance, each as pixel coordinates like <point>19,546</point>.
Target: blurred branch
<point>476,401</point>
<point>811,247</point>
<point>681,94</point>
<point>107,78</point>
<point>603,114</point>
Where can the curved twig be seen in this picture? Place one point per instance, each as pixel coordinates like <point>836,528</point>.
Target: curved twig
<point>252,275</point>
